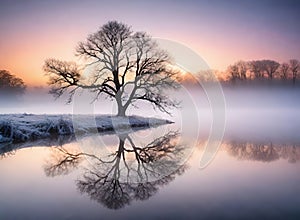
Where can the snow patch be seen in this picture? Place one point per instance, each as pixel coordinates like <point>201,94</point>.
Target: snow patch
<point>23,127</point>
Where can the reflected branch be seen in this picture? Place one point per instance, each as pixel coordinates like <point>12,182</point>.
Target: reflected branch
<point>62,162</point>
<point>133,172</point>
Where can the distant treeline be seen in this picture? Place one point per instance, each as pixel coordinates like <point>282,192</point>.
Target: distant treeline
<point>10,84</point>
<point>255,70</point>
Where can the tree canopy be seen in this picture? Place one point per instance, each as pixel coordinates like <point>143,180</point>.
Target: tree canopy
<point>121,64</point>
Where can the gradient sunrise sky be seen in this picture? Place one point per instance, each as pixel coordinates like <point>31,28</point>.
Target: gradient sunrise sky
<point>222,32</point>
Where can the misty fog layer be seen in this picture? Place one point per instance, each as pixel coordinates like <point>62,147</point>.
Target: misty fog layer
<point>268,113</point>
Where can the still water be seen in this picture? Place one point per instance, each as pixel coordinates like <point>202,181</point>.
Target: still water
<point>153,174</point>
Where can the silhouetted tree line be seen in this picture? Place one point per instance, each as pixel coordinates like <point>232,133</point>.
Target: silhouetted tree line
<point>263,69</point>
<point>252,71</point>
<point>10,84</point>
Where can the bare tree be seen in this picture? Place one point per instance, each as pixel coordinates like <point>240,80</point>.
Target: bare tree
<point>270,67</point>
<point>124,65</point>
<point>294,66</point>
<point>257,68</point>
<point>263,68</point>
<point>284,70</point>
<point>243,68</point>
<point>238,70</point>
<point>233,72</point>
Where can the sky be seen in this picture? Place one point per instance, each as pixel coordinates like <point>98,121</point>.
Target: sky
<point>221,32</point>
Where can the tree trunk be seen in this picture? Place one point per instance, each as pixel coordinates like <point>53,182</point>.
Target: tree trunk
<point>120,151</point>
<point>121,108</point>
<point>121,111</point>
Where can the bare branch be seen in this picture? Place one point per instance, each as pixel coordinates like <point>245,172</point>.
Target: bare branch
<point>121,60</point>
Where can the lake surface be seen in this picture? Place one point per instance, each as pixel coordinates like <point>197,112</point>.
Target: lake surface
<point>154,174</point>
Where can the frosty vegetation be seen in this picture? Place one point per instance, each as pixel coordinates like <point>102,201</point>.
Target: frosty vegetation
<point>29,127</point>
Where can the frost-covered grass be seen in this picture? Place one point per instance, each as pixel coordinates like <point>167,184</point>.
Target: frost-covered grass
<point>16,128</point>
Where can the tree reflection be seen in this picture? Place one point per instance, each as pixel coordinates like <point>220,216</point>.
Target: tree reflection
<point>130,173</point>
<point>62,162</point>
<point>265,152</point>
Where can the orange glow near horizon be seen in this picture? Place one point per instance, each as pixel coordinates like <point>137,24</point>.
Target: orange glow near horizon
<point>220,33</point>
<point>26,59</point>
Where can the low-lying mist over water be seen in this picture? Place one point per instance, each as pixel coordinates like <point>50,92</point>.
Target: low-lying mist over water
<point>266,113</point>
<point>38,100</point>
